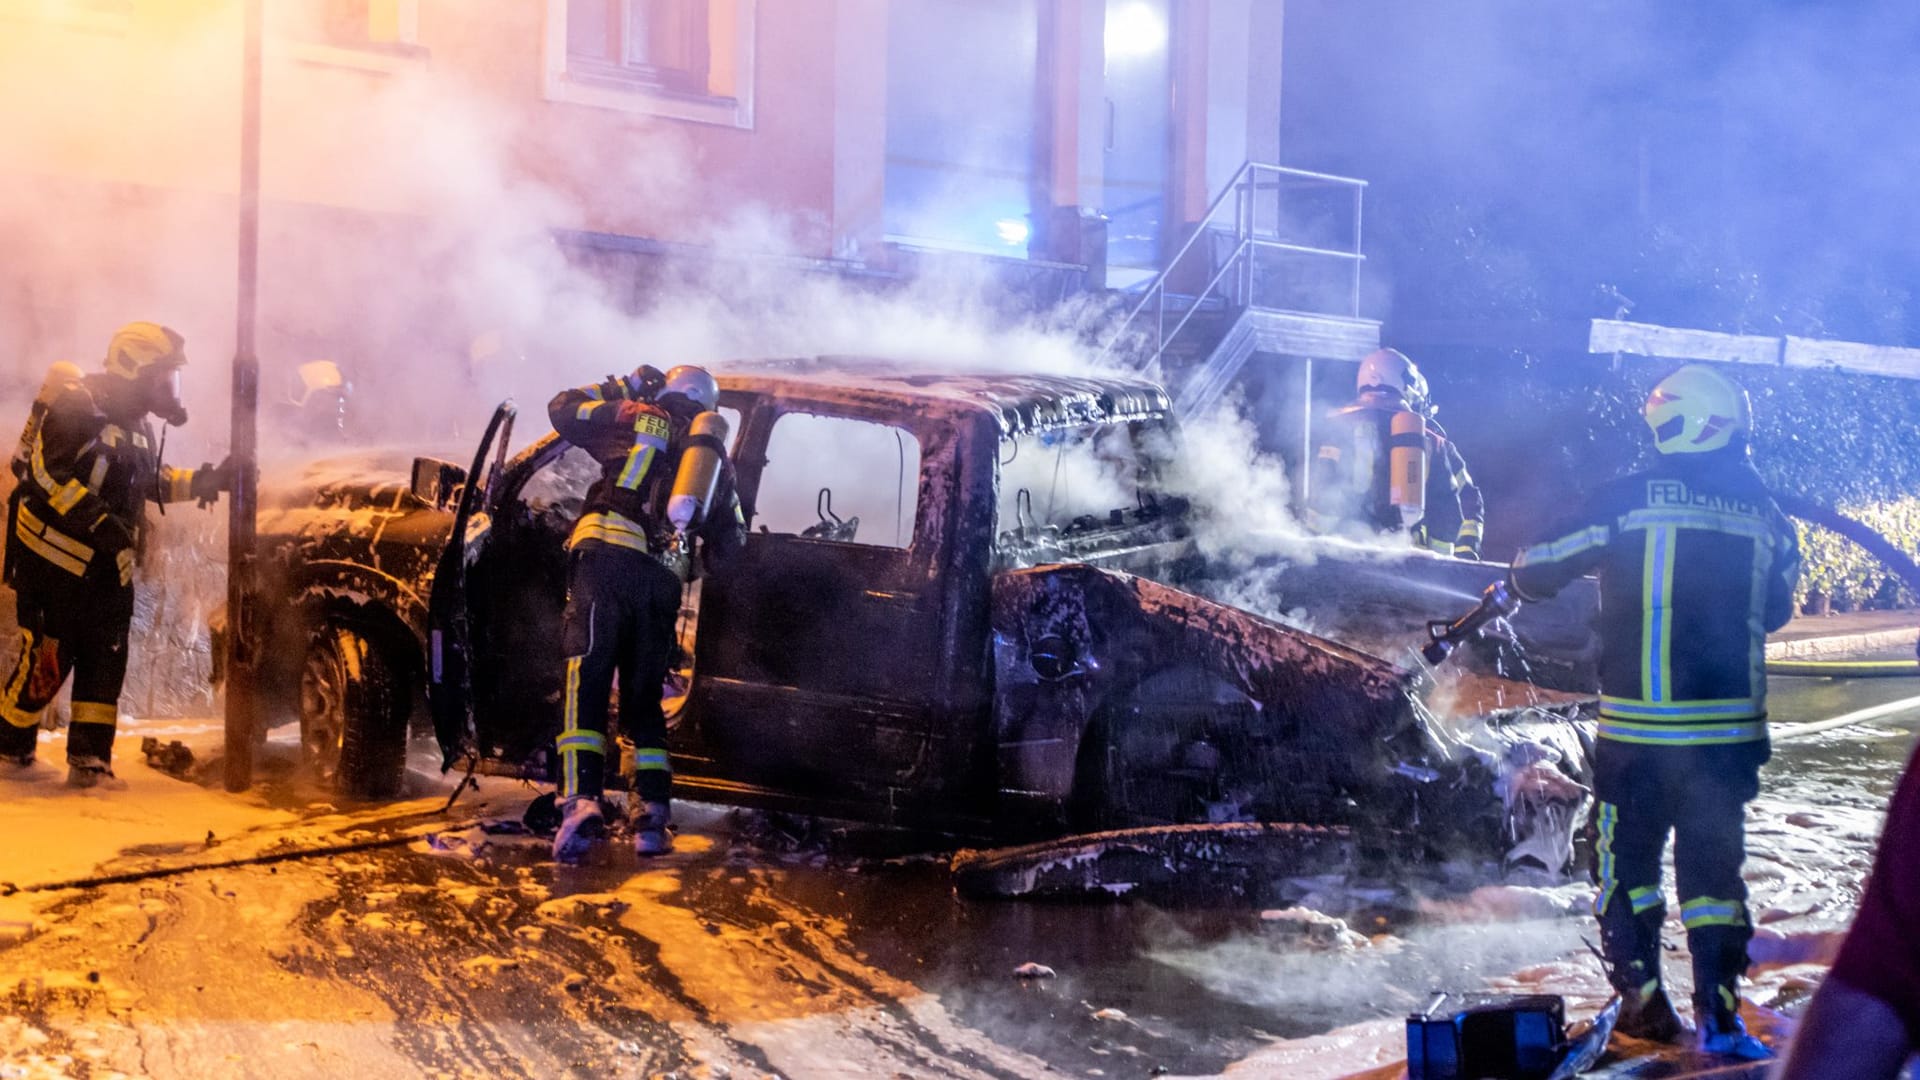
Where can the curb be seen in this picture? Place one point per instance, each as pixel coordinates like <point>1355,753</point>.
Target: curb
<point>1835,645</point>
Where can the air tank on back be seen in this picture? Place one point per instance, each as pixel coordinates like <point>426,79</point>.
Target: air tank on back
<point>699,475</point>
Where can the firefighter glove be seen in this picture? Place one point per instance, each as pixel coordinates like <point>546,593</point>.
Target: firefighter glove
<point>627,413</point>
<point>210,480</point>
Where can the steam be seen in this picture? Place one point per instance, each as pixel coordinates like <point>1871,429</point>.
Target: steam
<point>444,288</point>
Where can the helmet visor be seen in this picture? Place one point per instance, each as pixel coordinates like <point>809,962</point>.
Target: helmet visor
<point>163,394</point>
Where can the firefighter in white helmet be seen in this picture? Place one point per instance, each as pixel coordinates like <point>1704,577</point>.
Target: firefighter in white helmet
<point>89,464</point>
<point>651,433</point>
<point>1385,464</point>
<point>1696,565</point>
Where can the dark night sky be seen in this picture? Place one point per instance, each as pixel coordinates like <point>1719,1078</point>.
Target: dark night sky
<point>1731,164</point>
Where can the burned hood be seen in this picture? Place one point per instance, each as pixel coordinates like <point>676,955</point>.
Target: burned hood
<point>1285,726</point>
<point>350,529</point>
<point>1074,617</point>
<point>1177,709</point>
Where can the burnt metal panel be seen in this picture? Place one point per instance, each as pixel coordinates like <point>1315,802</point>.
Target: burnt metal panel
<point>1072,641</point>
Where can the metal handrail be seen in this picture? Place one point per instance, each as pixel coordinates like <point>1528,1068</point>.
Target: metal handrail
<point>1225,265</point>
<point>1242,190</point>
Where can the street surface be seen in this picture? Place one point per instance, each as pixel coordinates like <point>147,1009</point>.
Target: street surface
<point>761,948</point>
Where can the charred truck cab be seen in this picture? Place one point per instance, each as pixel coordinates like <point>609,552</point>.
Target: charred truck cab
<point>957,610</point>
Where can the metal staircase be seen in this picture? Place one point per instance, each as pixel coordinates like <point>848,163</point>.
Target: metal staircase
<point>1273,267</point>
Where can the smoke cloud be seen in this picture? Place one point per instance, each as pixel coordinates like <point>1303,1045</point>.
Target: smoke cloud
<point>409,233</point>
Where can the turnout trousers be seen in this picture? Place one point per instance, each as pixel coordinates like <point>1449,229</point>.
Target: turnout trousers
<point>69,626</point>
<point>622,606</point>
<point>1699,793</point>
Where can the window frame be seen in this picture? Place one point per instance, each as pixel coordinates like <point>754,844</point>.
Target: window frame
<point>690,80</point>
<point>916,490</point>
<point>627,88</point>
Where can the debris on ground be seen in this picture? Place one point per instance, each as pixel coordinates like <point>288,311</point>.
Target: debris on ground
<point>173,758</point>
<point>1312,929</point>
<point>1031,970</point>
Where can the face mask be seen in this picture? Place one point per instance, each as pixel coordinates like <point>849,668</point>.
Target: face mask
<point>164,397</point>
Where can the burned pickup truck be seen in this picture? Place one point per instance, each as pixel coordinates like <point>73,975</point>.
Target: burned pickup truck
<point>959,609</point>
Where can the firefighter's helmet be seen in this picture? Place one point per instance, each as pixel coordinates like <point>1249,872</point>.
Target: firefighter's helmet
<point>695,384</point>
<point>1389,372</point>
<point>1696,410</point>
<point>138,346</point>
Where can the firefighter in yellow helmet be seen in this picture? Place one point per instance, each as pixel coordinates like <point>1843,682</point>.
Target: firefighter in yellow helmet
<point>1696,565</point>
<point>1384,463</point>
<point>665,482</point>
<point>88,464</point>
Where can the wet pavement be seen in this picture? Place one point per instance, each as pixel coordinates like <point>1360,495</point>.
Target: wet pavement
<point>753,951</point>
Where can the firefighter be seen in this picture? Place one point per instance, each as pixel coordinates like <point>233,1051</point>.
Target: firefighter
<point>89,466</point>
<point>1386,464</point>
<point>624,578</point>
<point>1696,565</point>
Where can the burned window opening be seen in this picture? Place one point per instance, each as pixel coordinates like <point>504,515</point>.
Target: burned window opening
<point>840,480</point>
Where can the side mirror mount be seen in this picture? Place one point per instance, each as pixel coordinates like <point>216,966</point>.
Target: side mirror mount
<point>435,482</point>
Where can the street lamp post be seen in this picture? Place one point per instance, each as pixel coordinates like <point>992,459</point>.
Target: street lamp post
<point>242,716</point>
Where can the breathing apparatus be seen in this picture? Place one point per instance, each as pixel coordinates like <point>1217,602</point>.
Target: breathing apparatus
<point>61,377</point>
<point>1443,636</point>
<point>1407,466</point>
<point>1388,380</point>
<point>699,475</point>
<point>686,387</point>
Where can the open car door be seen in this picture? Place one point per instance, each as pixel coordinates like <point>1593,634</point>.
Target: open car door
<point>449,623</point>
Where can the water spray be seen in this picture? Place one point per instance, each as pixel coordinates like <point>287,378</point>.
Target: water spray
<point>1443,636</point>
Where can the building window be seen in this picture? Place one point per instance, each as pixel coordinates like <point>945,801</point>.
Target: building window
<point>658,43</point>
<point>690,59</point>
<point>376,25</point>
<point>962,112</point>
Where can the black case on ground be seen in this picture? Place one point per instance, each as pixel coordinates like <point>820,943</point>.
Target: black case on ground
<point>1477,1037</point>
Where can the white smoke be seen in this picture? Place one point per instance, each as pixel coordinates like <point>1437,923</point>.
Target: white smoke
<point>409,233</point>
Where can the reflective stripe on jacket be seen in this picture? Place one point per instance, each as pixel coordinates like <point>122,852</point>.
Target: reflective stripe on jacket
<point>639,450</point>
<point>1697,564</point>
<point>82,470</point>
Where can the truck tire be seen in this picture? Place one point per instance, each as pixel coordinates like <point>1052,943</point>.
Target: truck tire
<point>1155,757</point>
<point>353,714</point>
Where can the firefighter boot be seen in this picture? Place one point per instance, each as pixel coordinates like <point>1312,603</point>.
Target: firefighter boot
<point>1630,945</point>
<point>1650,1016</point>
<point>92,772</point>
<point>17,746</point>
<point>651,834</point>
<point>583,829</point>
<point>1719,959</point>
<point>1721,1031</point>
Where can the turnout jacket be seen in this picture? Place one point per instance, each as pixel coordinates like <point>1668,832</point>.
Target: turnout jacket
<point>638,445</point>
<point>1697,564</point>
<point>1350,483</point>
<point>85,479</point>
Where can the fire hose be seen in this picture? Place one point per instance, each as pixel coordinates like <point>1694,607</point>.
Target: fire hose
<point>1793,732</point>
<point>8,888</point>
<point>1845,669</point>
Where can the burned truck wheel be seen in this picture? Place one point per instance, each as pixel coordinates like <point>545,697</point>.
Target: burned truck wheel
<point>1164,755</point>
<point>353,715</point>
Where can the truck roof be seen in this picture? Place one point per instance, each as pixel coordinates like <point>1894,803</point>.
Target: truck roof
<point>1019,402</point>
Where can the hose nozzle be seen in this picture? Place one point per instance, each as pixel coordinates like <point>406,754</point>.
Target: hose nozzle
<point>1444,636</point>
